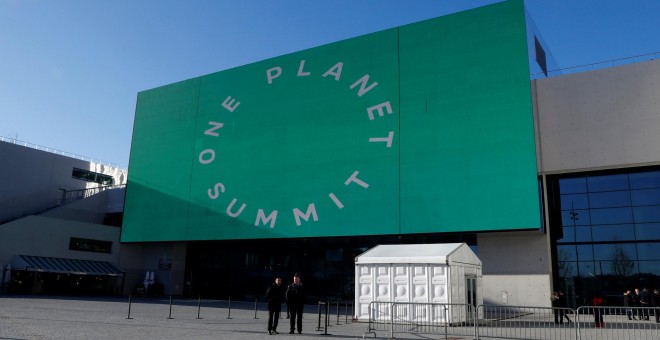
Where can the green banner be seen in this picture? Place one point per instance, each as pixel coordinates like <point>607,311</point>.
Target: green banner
<point>423,128</point>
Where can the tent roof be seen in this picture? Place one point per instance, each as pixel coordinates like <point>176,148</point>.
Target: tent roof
<point>437,253</point>
<point>60,265</point>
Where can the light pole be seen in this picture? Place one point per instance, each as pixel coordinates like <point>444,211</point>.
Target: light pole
<point>574,217</point>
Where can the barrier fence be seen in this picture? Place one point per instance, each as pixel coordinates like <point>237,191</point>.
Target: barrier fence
<point>326,309</point>
<point>513,322</point>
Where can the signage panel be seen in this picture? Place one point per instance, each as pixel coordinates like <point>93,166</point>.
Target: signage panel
<point>422,128</point>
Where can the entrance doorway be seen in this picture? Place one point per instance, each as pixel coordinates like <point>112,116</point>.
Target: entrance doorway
<point>471,295</point>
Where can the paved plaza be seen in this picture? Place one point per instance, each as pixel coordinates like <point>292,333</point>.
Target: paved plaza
<point>37,317</point>
<point>48,317</point>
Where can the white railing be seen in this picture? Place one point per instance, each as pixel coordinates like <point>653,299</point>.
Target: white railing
<point>76,195</point>
<point>59,152</point>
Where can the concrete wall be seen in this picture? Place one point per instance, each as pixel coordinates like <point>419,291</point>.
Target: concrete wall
<point>33,180</point>
<point>516,268</point>
<point>91,209</point>
<point>601,119</point>
<point>49,237</point>
<point>138,258</point>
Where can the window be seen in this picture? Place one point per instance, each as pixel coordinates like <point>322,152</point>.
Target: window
<point>90,176</point>
<point>607,228</point>
<point>94,246</point>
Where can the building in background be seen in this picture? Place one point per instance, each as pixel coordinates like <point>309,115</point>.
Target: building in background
<point>60,219</point>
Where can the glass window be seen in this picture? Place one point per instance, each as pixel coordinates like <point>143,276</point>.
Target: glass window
<point>616,268</point>
<point>645,180</point>
<point>568,235</point>
<point>603,267</point>
<point>647,231</point>
<point>649,267</point>
<point>649,214</point>
<point>645,197</point>
<point>585,252</point>
<point>573,185</point>
<point>566,253</point>
<point>587,269</point>
<point>105,180</point>
<point>95,246</point>
<point>574,201</point>
<point>567,269</point>
<point>615,221</point>
<point>609,199</point>
<point>90,176</point>
<point>611,216</point>
<point>617,232</point>
<point>582,233</point>
<point>581,217</point>
<point>648,251</point>
<point>607,183</point>
<point>615,252</point>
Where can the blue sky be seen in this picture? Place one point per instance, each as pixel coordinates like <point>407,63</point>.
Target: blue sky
<point>70,70</point>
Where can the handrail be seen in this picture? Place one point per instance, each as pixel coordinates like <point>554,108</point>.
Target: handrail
<point>59,152</point>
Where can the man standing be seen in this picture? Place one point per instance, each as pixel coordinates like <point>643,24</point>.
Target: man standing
<point>645,301</point>
<point>295,299</point>
<point>655,302</point>
<point>628,303</point>
<point>274,296</point>
<point>635,297</point>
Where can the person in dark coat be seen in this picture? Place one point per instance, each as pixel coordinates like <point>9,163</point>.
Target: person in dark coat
<point>295,300</point>
<point>635,297</point>
<point>274,296</point>
<point>645,302</point>
<point>563,304</point>
<point>559,304</point>
<point>554,298</point>
<point>655,302</point>
<point>628,303</point>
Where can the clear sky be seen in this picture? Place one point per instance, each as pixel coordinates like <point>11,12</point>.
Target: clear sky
<point>70,70</point>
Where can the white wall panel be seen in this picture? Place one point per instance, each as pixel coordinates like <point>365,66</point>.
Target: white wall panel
<point>383,283</point>
<point>600,119</point>
<point>515,264</point>
<point>438,288</point>
<point>401,283</point>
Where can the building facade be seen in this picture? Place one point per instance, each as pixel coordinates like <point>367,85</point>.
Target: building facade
<point>60,220</point>
<point>444,131</point>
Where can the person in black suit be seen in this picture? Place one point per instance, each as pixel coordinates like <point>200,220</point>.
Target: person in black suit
<point>295,300</point>
<point>274,296</point>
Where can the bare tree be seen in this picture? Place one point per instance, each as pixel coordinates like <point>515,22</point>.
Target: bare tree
<point>565,267</point>
<point>622,264</point>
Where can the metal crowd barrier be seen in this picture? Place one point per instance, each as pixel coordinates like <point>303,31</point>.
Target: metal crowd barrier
<point>514,322</point>
<point>606,323</point>
<point>521,322</point>
<point>421,318</point>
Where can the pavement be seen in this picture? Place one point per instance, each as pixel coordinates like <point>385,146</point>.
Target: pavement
<point>53,317</point>
<point>58,317</point>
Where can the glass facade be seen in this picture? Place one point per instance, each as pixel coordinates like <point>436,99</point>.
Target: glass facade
<point>91,176</point>
<point>240,269</point>
<point>606,231</point>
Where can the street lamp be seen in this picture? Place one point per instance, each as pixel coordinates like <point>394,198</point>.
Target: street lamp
<point>574,217</point>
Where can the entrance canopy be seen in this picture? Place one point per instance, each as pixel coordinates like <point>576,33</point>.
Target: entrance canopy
<point>60,265</point>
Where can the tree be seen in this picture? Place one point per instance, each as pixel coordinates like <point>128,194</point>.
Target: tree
<point>565,267</point>
<point>622,264</point>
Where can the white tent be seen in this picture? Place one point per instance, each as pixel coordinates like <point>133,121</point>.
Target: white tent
<point>447,274</point>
